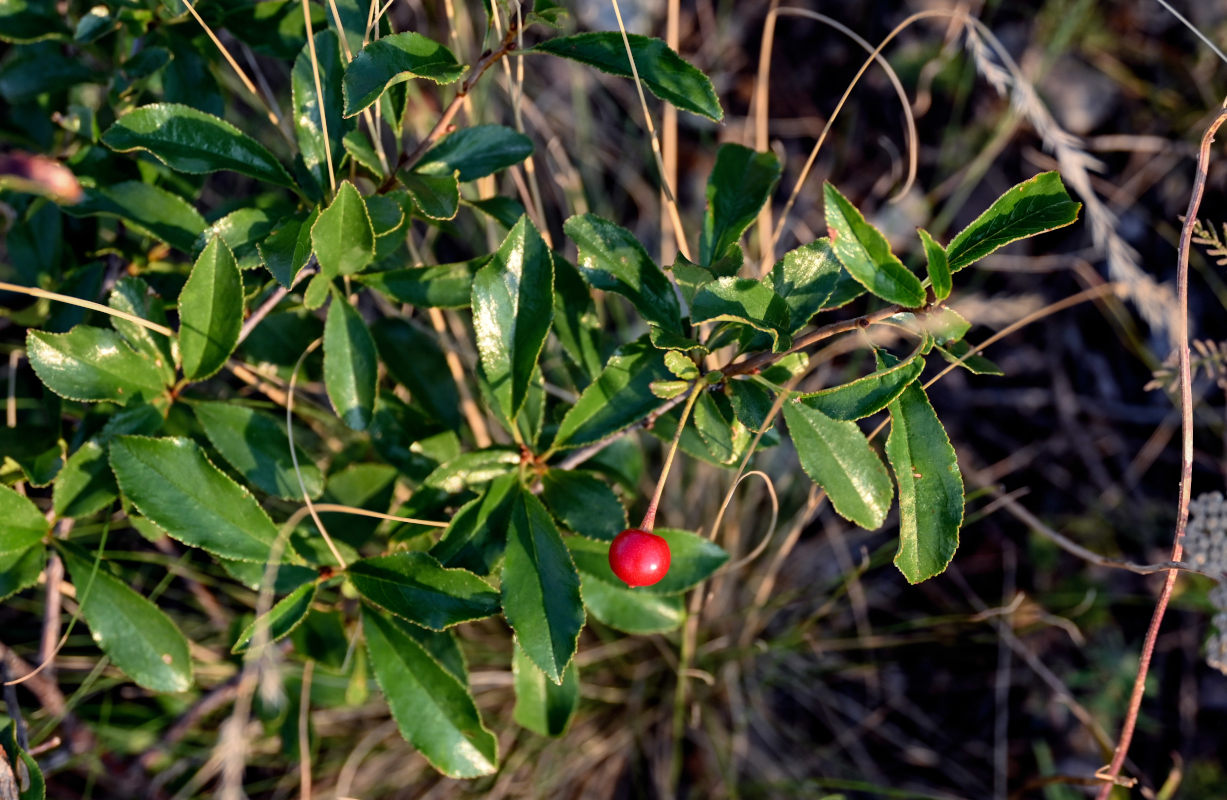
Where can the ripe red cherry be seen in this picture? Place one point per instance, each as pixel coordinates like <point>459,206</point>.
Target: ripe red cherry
<point>639,558</point>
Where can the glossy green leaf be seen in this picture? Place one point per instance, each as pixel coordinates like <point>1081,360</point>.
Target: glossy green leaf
<point>39,69</point>
<point>31,785</point>
<point>417,362</point>
<point>715,426</point>
<point>938,265</point>
<point>541,706</point>
<point>619,397</point>
<point>930,486</point>
<point>681,365</point>
<point>210,312</point>
<point>960,353</point>
<point>866,395</point>
<point>612,259</point>
<point>477,534</point>
<point>740,184</point>
<point>748,302</point>
<point>241,230</point>
<point>280,620</point>
<point>584,503</point>
<point>395,59</point>
<point>576,323</point>
<point>837,456</point>
<point>437,197</point>
<point>22,525</point>
<point>417,588</point>
<point>20,570</point>
<point>693,559</point>
<point>256,445</point>
<point>444,286</point>
<point>342,236</point>
<point>306,104</point>
<point>1034,206</point>
<point>664,73</point>
<point>83,486</point>
<point>475,152</point>
<point>540,588</point>
<point>26,21</point>
<point>133,296</point>
<point>630,610</point>
<point>667,390</point>
<point>806,278</point>
<point>513,305</point>
<point>286,250</point>
<point>92,364</point>
<point>140,639</point>
<point>751,403</point>
<point>171,482</point>
<point>432,708</point>
<point>471,469</point>
<point>350,364</point>
<point>386,214</point>
<point>866,254</point>
<point>188,140</point>
<point>146,208</point>
<point>360,149</point>
<point>690,277</point>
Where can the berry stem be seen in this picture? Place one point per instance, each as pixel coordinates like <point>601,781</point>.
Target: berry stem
<point>649,519</point>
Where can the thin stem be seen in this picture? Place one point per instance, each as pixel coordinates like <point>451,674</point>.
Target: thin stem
<point>1186,459</point>
<point>289,428</point>
<point>304,731</point>
<point>319,90</point>
<point>92,306</point>
<point>649,519</point>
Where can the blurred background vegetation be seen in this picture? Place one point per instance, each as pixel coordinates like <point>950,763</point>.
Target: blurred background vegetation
<point>816,671</point>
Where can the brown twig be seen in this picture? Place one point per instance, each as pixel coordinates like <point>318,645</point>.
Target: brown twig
<point>1186,460</point>
<point>445,120</point>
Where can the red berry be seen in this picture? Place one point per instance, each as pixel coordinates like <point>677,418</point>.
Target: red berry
<point>639,558</point>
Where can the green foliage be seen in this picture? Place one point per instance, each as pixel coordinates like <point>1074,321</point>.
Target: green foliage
<point>480,421</point>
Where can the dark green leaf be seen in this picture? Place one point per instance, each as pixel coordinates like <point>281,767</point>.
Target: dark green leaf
<point>690,277</point>
<point>444,286</point>
<point>140,639</point>
<point>84,485</point>
<point>93,364</point>
<point>472,153</point>
<point>751,403</point>
<point>472,469</point>
<point>693,559</point>
<point>39,69</point>
<point>350,364</point>
<point>360,149</point>
<point>192,141</point>
<point>172,483</point>
<point>308,126</point>
<point>242,231</point>
<point>806,278</point>
<point>21,570</point>
<point>541,706</point>
<point>288,248</point>
<point>477,534</point>
<point>22,525</point>
<point>432,708</point>
<point>256,445</point>
<point>387,215</point>
<point>541,588</point>
<point>395,59</point>
<point>939,266</point>
<point>133,296</point>
<point>630,610</point>
<point>576,323</point>
<point>837,456</point>
<point>960,353</point>
<point>26,21</point>
<point>866,255</point>
<point>415,359</point>
<point>619,397</point>
<point>584,503</point>
<point>662,71</point>
<point>415,587</point>
<point>612,259</point>
<point>748,302</point>
<point>513,305</point>
<point>33,786</point>
<point>715,427</point>
<point>210,311</point>
<point>739,186</point>
<point>342,236</point>
<point>281,619</point>
<point>1034,206</point>
<point>436,196</point>
<point>867,395</point>
<point>930,486</point>
<point>146,208</point>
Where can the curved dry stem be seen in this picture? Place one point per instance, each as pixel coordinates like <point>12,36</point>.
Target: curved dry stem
<point>775,516</point>
<point>91,305</point>
<point>649,519</point>
<point>362,512</point>
<point>319,90</point>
